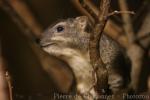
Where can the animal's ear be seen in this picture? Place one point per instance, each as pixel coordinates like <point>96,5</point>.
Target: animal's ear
<point>82,22</point>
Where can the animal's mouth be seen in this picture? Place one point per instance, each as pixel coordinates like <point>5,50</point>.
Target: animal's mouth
<point>47,44</point>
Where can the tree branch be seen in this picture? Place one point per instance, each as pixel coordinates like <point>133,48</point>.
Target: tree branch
<point>5,94</point>
<point>96,61</point>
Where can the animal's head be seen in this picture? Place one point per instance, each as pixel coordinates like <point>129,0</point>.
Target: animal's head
<point>69,33</point>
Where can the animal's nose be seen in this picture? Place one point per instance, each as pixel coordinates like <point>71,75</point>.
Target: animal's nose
<point>37,41</point>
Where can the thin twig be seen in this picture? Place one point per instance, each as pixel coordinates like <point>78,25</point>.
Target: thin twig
<point>5,94</point>
<point>120,12</point>
<point>8,78</point>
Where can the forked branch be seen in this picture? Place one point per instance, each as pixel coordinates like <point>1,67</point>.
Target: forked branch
<point>96,61</point>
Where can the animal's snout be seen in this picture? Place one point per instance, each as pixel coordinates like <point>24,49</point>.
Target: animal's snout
<point>37,41</point>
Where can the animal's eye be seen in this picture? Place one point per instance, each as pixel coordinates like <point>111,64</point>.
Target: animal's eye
<point>60,28</point>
